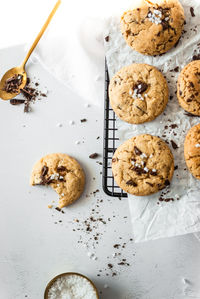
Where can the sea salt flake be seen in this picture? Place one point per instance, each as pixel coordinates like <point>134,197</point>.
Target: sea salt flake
<point>197,145</point>
<point>154,170</point>
<point>146,169</point>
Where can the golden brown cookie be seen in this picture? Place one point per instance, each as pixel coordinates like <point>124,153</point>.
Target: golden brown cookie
<point>188,87</point>
<point>63,174</point>
<point>192,151</point>
<point>143,165</point>
<point>153,29</point>
<point>138,93</point>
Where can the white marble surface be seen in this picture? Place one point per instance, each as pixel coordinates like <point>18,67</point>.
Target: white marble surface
<point>34,249</point>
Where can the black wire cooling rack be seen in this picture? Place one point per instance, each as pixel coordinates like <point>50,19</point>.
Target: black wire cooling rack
<point>110,145</point>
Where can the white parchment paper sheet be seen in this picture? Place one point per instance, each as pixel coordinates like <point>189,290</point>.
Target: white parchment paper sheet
<point>151,218</point>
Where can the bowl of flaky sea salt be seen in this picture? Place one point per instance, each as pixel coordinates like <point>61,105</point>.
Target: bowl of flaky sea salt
<point>71,286</point>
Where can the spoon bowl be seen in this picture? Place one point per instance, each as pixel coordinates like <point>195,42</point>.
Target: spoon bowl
<point>4,95</point>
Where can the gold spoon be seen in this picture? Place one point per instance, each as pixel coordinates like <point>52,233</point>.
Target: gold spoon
<point>20,70</point>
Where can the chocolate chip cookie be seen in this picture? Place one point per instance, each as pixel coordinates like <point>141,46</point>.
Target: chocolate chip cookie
<point>188,87</point>
<point>143,165</point>
<point>153,29</point>
<point>63,174</point>
<point>192,151</point>
<point>138,93</point>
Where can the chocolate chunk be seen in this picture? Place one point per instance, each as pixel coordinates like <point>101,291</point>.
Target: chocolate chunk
<point>94,156</point>
<point>131,183</point>
<point>107,38</point>
<point>196,57</point>
<point>174,145</point>
<point>137,151</point>
<point>114,160</point>
<point>140,87</point>
<point>110,266</point>
<point>176,69</point>
<point>139,170</point>
<point>192,12</point>
<point>61,168</point>
<point>167,183</point>
<point>44,171</point>
<point>173,126</point>
<point>16,102</point>
<point>180,93</point>
<point>12,84</point>
<point>83,120</point>
<point>176,167</point>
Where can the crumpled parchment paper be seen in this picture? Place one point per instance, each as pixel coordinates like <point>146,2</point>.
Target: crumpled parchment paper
<point>152,218</point>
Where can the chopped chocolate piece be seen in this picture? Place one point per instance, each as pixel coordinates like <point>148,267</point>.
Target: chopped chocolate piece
<point>116,246</point>
<point>131,183</point>
<point>176,69</point>
<point>110,266</point>
<point>83,120</point>
<point>176,167</point>
<point>167,183</point>
<point>180,92</point>
<point>44,171</point>
<point>61,168</point>
<point>174,145</point>
<point>12,84</point>
<point>140,87</point>
<point>107,38</point>
<point>16,101</point>
<point>192,12</point>
<point>137,151</point>
<point>114,160</point>
<point>26,106</point>
<point>173,126</point>
<point>196,57</point>
<point>139,170</point>
<point>58,209</point>
<point>94,156</point>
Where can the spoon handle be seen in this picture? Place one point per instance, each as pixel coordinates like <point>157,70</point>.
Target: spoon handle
<point>41,32</point>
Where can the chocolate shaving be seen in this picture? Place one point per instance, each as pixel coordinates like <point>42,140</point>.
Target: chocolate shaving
<point>15,102</point>
<point>192,12</point>
<point>12,84</point>
<point>83,120</point>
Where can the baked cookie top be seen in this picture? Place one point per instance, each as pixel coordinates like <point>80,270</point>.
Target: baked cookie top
<point>192,151</point>
<point>153,29</point>
<point>63,174</point>
<point>188,87</point>
<point>143,165</point>
<point>138,93</point>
